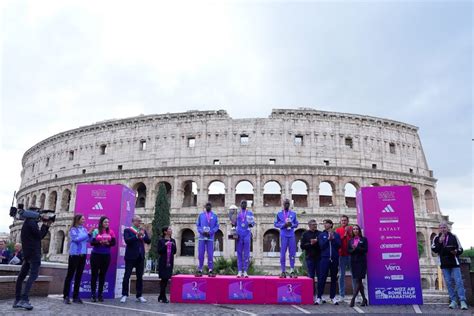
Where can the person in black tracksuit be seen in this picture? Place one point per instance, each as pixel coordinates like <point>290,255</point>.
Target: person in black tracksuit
<point>310,245</point>
<point>166,250</point>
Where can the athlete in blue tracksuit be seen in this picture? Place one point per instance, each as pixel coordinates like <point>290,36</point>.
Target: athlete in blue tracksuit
<point>207,225</point>
<point>287,222</point>
<point>244,223</point>
<point>329,243</point>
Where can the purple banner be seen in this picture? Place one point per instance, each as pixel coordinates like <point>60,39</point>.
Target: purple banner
<point>387,218</point>
<point>241,290</point>
<point>117,202</point>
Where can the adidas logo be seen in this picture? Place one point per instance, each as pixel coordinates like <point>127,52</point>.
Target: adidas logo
<point>98,206</point>
<point>388,209</point>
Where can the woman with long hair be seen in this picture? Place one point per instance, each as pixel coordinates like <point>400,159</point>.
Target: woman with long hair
<point>166,250</point>
<point>78,238</point>
<point>357,248</point>
<point>103,238</point>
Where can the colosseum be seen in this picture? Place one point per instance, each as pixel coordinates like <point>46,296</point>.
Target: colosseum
<point>318,159</point>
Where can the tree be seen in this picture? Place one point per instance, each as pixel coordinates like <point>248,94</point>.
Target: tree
<point>161,219</point>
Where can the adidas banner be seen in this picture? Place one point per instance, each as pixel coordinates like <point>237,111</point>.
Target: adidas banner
<point>387,218</point>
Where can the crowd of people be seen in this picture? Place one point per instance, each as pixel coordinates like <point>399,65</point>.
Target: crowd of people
<point>328,253</point>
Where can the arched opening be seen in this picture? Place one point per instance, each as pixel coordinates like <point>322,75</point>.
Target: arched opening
<point>218,243</point>
<point>244,191</point>
<point>216,193</point>
<point>168,189</point>
<point>187,243</point>
<point>375,185</point>
<point>298,235</point>
<point>433,235</point>
<point>299,193</point>
<point>271,241</point>
<point>42,200</point>
<point>272,193</point>
<point>60,237</point>
<point>429,201</point>
<point>326,193</point>
<point>140,194</point>
<point>425,284</point>
<point>190,194</point>
<point>33,201</point>
<point>52,200</point>
<point>416,198</point>
<point>27,204</point>
<point>45,242</point>
<point>421,244</point>
<point>65,200</point>
<point>350,190</point>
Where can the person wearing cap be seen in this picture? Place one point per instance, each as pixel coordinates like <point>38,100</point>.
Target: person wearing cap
<point>329,243</point>
<point>244,223</point>
<point>286,221</point>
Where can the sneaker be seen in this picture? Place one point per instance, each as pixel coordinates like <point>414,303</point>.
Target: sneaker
<point>245,275</point>
<point>211,274</point>
<point>66,300</point>
<point>25,304</point>
<point>293,275</point>
<point>283,275</point>
<point>341,299</point>
<point>100,299</point>
<point>123,299</point>
<point>239,274</point>
<point>15,304</point>
<point>198,273</point>
<point>453,305</point>
<point>335,301</point>
<point>141,299</point>
<point>317,301</point>
<point>93,299</point>
<point>463,305</point>
<point>323,301</point>
<point>77,301</point>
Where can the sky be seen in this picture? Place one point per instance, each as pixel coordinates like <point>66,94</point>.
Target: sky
<point>66,64</point>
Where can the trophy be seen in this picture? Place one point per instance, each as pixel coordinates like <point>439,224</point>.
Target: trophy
<point>250,220</point>
<point>233,221</point>
<point>288,220</point>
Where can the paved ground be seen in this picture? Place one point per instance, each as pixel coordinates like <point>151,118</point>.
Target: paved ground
<point>53,306</point>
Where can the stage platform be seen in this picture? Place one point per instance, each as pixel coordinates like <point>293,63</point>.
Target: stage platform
<point>227,289</point>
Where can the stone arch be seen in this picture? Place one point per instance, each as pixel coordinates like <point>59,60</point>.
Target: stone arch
<point>326,193</point>
<point>33,201</point>
<point>421,240</point>
<point>432,236</point>
<point>299,193</point>
<point>60,238</point>
<point>375,184</point>
<point>271,239</point>
<point>219,242</point>
<point>140,194</point>
<point>425,283</point>
<point>416,198</point>
<point>216,193</point>
<point>429,201</point>
<point>42,200</point>
<point>52,200</point>
<point>244,191</point>
<point>272,193</point>
<point>350,190</point>
<point>65,200</point>
<point>190,193</point>
<point>298,234</point>
<point>187,243</point>
<point>45,242</point>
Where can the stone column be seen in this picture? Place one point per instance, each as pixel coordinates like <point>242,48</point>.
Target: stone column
<point>176,202</point>
<point>229,193</point>
<point>202,193</point>
<point>258,192</point>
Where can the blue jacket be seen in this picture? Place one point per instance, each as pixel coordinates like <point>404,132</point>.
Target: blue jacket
<point>280,223</point>
<point>135,247</point>
<point>78,238</point>
<point>244,230</point>
<point>329,248</point>
<point>202,222</point>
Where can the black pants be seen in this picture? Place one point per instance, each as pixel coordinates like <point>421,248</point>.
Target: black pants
<point>30,266</point>
<point>163,284</point>
<point>99,265</point>
<point>75,267</point>
<point>139,265</point>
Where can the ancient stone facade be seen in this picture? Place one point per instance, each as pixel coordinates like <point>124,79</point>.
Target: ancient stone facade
<point>317,159</point>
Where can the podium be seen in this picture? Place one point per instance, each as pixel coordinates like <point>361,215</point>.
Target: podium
<point>227,289</point>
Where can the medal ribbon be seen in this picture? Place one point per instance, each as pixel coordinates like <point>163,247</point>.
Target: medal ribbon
<point>168,253</point>
<point>243,216</point>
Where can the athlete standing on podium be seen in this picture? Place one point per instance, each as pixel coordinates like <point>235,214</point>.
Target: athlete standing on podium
<point>286,221</point>
<point>245,221</point>
<point>207,225</point>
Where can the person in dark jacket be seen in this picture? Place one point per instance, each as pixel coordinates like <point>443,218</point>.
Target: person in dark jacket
<point>135,237</point>
<point>357,248</point>
<point>5,255</point>
<point>310,245</point>
<point>329,242</point>
<point>449,248</point>
<point>166,250</point>
<point>31,236</point>
<point>103,238</point>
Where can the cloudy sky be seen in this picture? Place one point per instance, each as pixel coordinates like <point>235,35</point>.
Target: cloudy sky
<point>71,63</point>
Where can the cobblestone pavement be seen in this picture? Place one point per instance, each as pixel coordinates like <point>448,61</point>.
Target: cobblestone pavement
<point>53,306</point>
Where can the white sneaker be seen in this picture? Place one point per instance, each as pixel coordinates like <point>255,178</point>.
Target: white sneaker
<point>123,299</point>
<point>341,299</point>
<point>317,301</point>
<point>239,274</point>
<point>245,274</point>
<point>335,301</point>
<point>141,299</point>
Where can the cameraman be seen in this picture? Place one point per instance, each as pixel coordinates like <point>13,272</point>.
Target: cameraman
<point>31,237</point>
